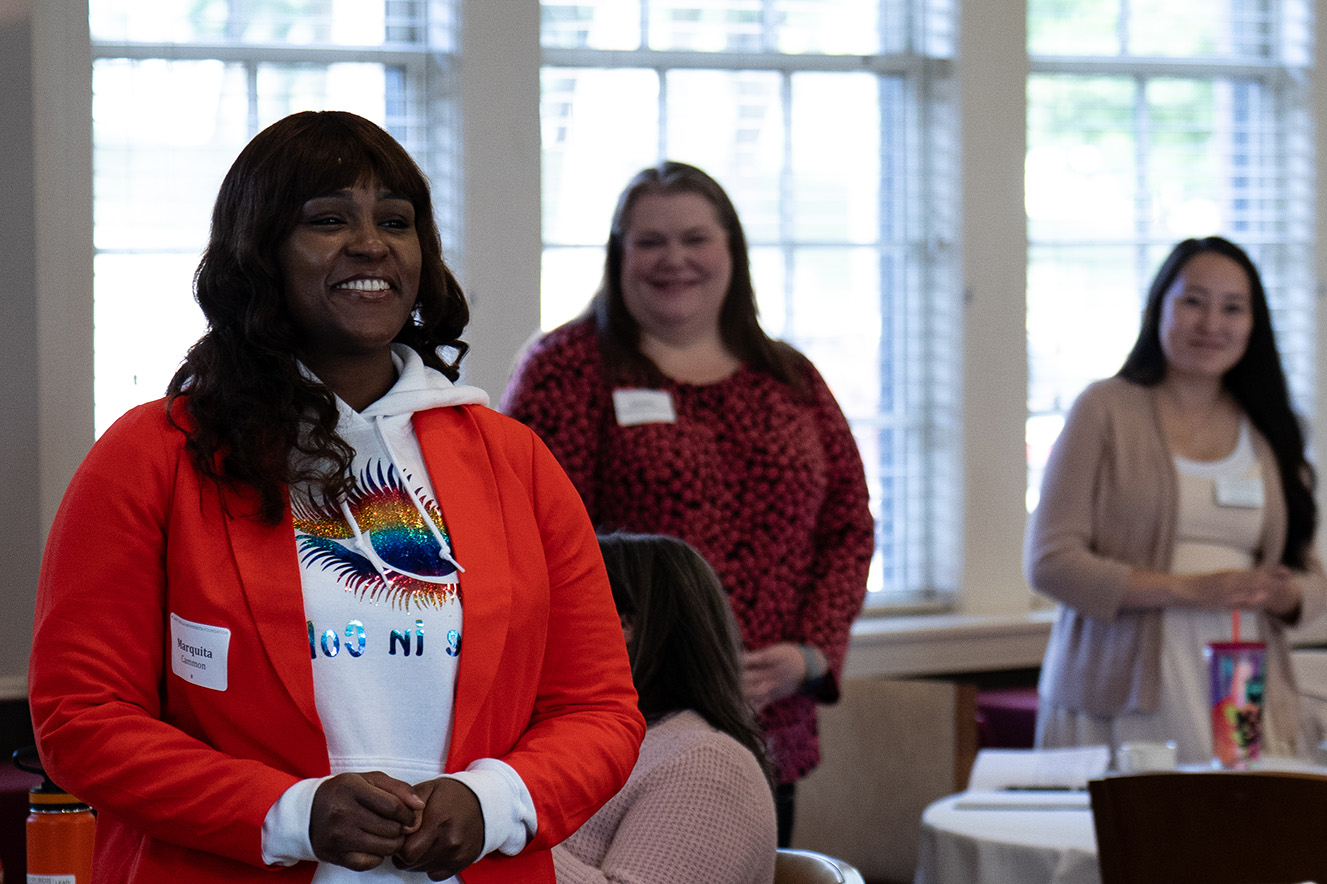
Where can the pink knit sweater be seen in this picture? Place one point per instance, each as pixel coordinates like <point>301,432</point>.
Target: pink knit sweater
<point>696,809</point>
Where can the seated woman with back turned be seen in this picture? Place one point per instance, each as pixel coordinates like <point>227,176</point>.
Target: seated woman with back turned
<point>698,805</point>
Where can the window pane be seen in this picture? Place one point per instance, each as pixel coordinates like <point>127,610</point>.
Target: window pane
<point>359,88</point>
<point>292,22</point>
<point>1084,305</point>
<point>600,127</point>
<point>1200,27</point>
<point>144,318</point>
<point>1120,168</point>
<point>1170,29</point>
<point>164,133</point>
<point>1172,159</point>
<point>568,278</point>
<point>769,274</point>
<point>606,24</point>
<point>836,157</point>
<point>706,25</point>
<point>839,27</point>
<point>1081,152</point>
<point>829,27</point>
<point>731,124</point>
<point>1073,27</point>
<point>836,321</point>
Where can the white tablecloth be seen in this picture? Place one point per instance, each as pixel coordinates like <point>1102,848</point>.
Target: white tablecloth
<point>1027,837</point>
<point>1008,838</point>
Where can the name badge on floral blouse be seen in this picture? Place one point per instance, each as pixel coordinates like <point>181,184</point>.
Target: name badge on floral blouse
<point>634,406</point>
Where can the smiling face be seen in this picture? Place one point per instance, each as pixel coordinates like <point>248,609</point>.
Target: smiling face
<point>351,269</point>
<point>1206,317</point>
<point>676,264</point>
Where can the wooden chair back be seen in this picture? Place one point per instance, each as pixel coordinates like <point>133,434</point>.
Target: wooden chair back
<point>1213,828</point>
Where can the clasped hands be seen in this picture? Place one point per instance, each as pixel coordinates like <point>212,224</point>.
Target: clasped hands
<point>361,819</point>
<point>772,673</point>
<point>1273,588</point>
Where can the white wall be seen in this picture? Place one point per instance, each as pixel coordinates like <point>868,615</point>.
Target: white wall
<point>20,541</point>
<point>499,269</point>
<point>46,308</point>
<point>992,73</point>
<point>46,328</point>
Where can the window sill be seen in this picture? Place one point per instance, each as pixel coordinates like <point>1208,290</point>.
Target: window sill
<point>939,644</point>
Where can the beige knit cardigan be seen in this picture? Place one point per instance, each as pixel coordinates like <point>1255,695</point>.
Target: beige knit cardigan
<point>1108,505</point>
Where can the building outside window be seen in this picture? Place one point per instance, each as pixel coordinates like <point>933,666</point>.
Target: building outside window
<point>1147,124</point>
<point>830,124</point>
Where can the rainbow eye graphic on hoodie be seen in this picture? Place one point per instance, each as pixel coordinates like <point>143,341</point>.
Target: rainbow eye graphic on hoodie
<point>395,555</point>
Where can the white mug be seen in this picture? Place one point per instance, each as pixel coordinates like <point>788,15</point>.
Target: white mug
<point>1140,757</point>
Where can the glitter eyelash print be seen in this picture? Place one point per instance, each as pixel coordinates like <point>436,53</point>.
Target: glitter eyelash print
<point>412,565</point>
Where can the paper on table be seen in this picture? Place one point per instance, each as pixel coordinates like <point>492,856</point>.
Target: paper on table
<point>1006,800</point>
<point>1038,768</point>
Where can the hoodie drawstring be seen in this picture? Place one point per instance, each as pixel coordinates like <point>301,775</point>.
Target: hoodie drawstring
<point>365,546</point>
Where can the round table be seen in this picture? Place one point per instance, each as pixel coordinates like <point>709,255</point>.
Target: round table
<point>1023,836</point>
<point>1036,837</point>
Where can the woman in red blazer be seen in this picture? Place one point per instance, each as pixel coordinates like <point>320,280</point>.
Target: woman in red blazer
<point>320,611</point>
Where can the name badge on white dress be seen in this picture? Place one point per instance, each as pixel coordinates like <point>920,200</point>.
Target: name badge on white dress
<point>635,406</point>
<point>198,652</point>
<point>1243,493</point>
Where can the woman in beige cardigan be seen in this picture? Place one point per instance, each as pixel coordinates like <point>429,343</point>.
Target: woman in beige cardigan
<point>1177,493</point>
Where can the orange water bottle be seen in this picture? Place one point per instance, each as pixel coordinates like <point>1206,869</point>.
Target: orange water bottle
<point>60,830</point>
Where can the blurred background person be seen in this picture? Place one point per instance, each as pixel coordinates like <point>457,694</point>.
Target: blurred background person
<point>698,805</point>
<point>674,413</point>
<point>1177,494</point>
<point>321,614</point>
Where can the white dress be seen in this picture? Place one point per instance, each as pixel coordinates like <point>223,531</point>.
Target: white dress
<point>1210,536</point>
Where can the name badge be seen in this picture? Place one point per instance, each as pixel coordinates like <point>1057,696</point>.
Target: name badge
<point>1243,493</point>
<point>198,652</point>
<point>635,406</point>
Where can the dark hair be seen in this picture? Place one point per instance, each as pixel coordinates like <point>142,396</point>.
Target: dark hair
<point>685,647</point>
<point>249,407</point>
<point>739,323</point>
<point>1257,382</point>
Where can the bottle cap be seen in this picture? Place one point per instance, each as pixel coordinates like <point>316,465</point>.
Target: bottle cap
<point>53,802</point>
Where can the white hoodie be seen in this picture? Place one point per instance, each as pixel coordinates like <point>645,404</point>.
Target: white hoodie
<point>384,624</point>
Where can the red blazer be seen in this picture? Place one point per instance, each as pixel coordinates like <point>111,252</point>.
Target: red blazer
<point>183,776</point>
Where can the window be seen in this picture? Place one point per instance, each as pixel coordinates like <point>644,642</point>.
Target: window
<point>829,123</point>
<point>179,88</point>
<point>1147,124</point>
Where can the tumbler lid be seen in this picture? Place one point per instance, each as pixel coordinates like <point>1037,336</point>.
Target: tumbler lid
<point>53,802</point>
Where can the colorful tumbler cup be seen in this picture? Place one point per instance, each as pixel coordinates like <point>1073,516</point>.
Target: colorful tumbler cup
<point>1236,672</point>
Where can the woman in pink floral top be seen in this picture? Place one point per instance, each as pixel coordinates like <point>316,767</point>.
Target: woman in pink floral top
<point>673,413</point>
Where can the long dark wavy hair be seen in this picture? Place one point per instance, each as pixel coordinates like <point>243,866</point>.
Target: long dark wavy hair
<point>248,406</point>
<point>1257,382</point>
<point>739,323</point>
<point>685,647</point>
